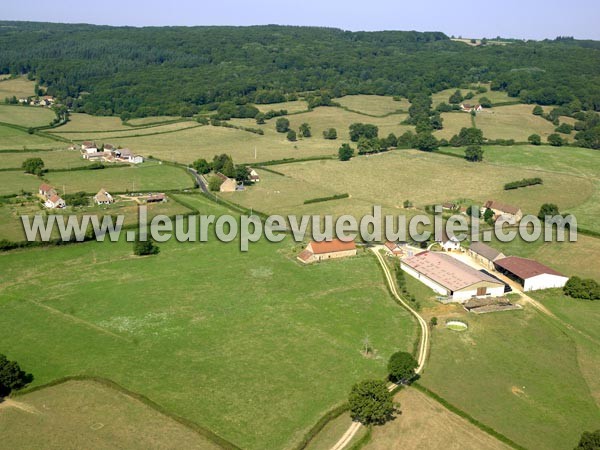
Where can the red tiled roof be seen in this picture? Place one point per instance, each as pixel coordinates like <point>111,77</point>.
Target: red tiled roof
<point>492,204</point>
<point>305,255</point>
<point>45,187</point>
<point>55,198</point>
<point>331,246</point>
<point>525,268</point>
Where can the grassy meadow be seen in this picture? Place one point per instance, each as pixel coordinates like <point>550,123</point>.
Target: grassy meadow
<point>510,360</point>
<point>27,116</point>
<point>513,122</point>
<point>56,159</point>
<point>374,105</point>
<point>87,414</point>
<point>145,177</point>
<point>15,139</point>
<point>273,332</point>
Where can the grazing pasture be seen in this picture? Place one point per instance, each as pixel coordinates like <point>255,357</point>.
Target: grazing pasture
<point>143,121</point>
<point>512,122</point>
<point>56,159</point>
<point>540,400</point>
<point>27,116</point>
<point>14,182</point>
<point>213,356</point>
<point>79,122</point>
<point>374,105</point>
<point>392,177</point>
<point>113,137</point>
<point>15,139</point>
<point>146,177</point>
<point>453,122</point>
<point>494,96</point>
<point>88,414</point>
<point>19,87</point>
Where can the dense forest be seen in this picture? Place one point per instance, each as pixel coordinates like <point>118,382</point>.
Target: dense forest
<point>178,70</point>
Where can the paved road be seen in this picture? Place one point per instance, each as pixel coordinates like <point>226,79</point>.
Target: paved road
<point>199,179</point>
<point>423,344</point>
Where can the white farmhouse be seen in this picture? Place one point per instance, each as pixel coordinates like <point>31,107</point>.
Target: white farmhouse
<point>450,277</point>
<point>89,147</point>
<point>531,274</point>
<point>448,243</point>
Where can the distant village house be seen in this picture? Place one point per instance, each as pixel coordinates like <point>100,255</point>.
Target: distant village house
<point>103,198</point>
<point>512,214</point>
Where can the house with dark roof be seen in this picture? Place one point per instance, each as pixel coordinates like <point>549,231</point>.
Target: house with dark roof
<point>484,254</point>
<point>319,251</point>
<point>450,277</point>
<point>531,274</point>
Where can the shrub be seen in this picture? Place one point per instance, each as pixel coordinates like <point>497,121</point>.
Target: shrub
<point>522,183</point>
<point>555,140</point>
<point>291,135</point>
<point>564,128</point>
<point>34,166</point>
<point>345,152</point>
<point>214,183</point>
<point>586,289</point>
<point>534,139</point>
<point>589,441</point>
<point>371,402</point>
<point>538,110</point>
<point>143,248</point>
<point>548,209</point>
<point>474,153</point>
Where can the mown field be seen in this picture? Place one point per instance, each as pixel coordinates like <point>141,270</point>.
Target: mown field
<point>375,105</point>
<point>28,116</point>
<point>113,136</point>
<point>494,96</point>
<point>56,159</point>
<point>87,414</point>
<point>273,332</point>
<point>13,182</point>
<point>16,87</point>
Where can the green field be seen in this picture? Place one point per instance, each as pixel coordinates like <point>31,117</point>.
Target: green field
<point>453,122</point>
<point>147,177</point>
<point>15,139</point>
<point>87,414</point>
<point>16,87</point>
<point>57,159</point>
<point>27,116</point>
<point>273,332</point>
<point>494,96</point>
<point>11,227</point>
<point>17,181</point>
<point>85,122</point>
<point>113,136</point>
<point>524,366</point>
<point>291,107</point>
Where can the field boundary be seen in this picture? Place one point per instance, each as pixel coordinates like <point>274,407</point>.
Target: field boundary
<point>459,412</point>
<point>198,429</point>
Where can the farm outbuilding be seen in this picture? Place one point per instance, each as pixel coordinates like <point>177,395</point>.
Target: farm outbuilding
<point>318,251</point>
<point>450,277</point>
<point>531,274</point>
<point>484,254</point>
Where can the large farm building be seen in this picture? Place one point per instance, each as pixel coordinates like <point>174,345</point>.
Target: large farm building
<point>451,278</point>
<point>318,251</point>
<point>531,274</point>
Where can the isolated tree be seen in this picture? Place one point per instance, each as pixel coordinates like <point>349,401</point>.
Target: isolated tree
<point>401,367</point>
<point>589,441</point>
<point>426,142</point>
<point>345,152</point>
<point>555,140</point>
<point>371,402</point>
<point>474,153</point>
<point>456,98</point>
<point>433,322</point>
<point>34,166</point>
<point>143,248</point>
<point>201,166</point>
<point>534,139</point>
<point>564,128</point>
<point>11,376</point>
<point>305,130</point>
<point>282,125</point>
<point>548,209</point>
<point>330,133</point>
<point>260,118</point>
<point>291,135</point>
<point>538,110</point>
